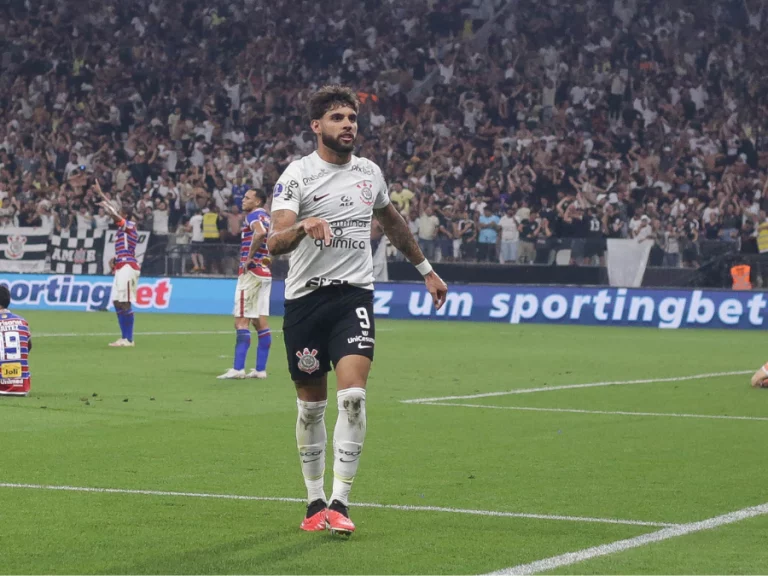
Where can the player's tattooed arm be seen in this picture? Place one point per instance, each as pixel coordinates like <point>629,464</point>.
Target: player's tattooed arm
<point>286,234</point>
<point>398,233</point>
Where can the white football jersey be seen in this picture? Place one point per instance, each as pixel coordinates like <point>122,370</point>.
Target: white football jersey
<point>345,196</point>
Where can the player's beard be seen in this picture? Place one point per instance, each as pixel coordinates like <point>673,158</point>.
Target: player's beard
<point>336,144</point>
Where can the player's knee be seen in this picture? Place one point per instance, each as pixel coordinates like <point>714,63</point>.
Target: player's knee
<point>241,323</point>
<point>311,412</point>
<point>352,401</point>
<point>351,379</point>
<point>313,389</point>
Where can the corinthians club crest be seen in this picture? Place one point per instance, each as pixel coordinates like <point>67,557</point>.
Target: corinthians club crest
<point>80,257</point>
<point>366,194</point>
<point>307,361</point>
<point>15,249</point>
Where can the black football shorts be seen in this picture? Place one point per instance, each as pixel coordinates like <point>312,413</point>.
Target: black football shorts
<point>321,328</point>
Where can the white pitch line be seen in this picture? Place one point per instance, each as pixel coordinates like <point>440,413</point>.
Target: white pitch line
<point>402,507</point>
<point>571,558</point>
<point>180,333</point>
<point>575,386</point>
<point>604,412</point>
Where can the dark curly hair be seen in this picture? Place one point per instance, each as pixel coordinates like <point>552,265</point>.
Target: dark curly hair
<point>330,97</point>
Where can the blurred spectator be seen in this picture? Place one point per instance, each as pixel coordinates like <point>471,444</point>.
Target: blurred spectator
<point>160,219</point>
<point>529,230</point>
<point>488,224</point>
<point>197,239</point>
<point>509,236</point>
<point>429,224</point>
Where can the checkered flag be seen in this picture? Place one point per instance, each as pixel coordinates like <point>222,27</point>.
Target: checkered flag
<point>79,253</point>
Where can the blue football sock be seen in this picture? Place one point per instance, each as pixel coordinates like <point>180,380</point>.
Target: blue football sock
<point>122,323</point>
<point>262,352</point>
<point>129,325</point>
<point>242,344</point>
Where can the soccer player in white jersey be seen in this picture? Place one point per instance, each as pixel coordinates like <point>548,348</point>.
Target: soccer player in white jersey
<point>322,210</point>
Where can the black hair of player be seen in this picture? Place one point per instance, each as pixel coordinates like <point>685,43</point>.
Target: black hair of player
<point>5,296</point>
<point>262,197</point>
<point>330,97</point>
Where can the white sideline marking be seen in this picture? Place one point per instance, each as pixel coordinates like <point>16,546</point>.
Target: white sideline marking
<point>574,386</point>
<point>403,507</point>
<point>636,542</point>
<point>605,412</point>
<point>180,333</point>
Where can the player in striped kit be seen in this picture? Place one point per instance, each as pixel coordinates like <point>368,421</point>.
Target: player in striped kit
<point>126,270</point>
<point>254,286</point>
<point>15,344</point>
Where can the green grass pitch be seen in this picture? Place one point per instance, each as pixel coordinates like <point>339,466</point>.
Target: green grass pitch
<point>154,418</point>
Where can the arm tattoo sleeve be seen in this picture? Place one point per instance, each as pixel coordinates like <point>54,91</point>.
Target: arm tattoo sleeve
<point>398,233</point>
<point>284,237</point>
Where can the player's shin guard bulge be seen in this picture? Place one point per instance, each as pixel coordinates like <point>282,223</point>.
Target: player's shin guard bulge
<point>125,321</point>
<point>242,343</point>
<point>129,318</point>
<point>348,440</point>
<point>262,352</point>
<point>311,439</point>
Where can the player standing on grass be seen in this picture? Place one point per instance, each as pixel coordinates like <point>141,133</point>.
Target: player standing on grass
<point>254,286</point>
<point>15,344</point>
<point>322,210</point>
<point>126,269</point>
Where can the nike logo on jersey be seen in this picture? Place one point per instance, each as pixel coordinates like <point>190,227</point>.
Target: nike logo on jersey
<point>362,347</point>
<point>318,198</point>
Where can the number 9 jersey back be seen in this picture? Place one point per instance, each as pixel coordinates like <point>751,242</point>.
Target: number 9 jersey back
<point>15,343</point>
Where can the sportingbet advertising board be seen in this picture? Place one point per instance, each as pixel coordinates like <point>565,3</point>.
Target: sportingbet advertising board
<point>668,309</point>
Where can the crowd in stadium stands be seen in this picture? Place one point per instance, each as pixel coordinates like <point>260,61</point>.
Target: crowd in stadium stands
<point>575,122</point>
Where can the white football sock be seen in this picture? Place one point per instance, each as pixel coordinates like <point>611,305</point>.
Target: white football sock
<point>311,439</point>
<point>348,440</point>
